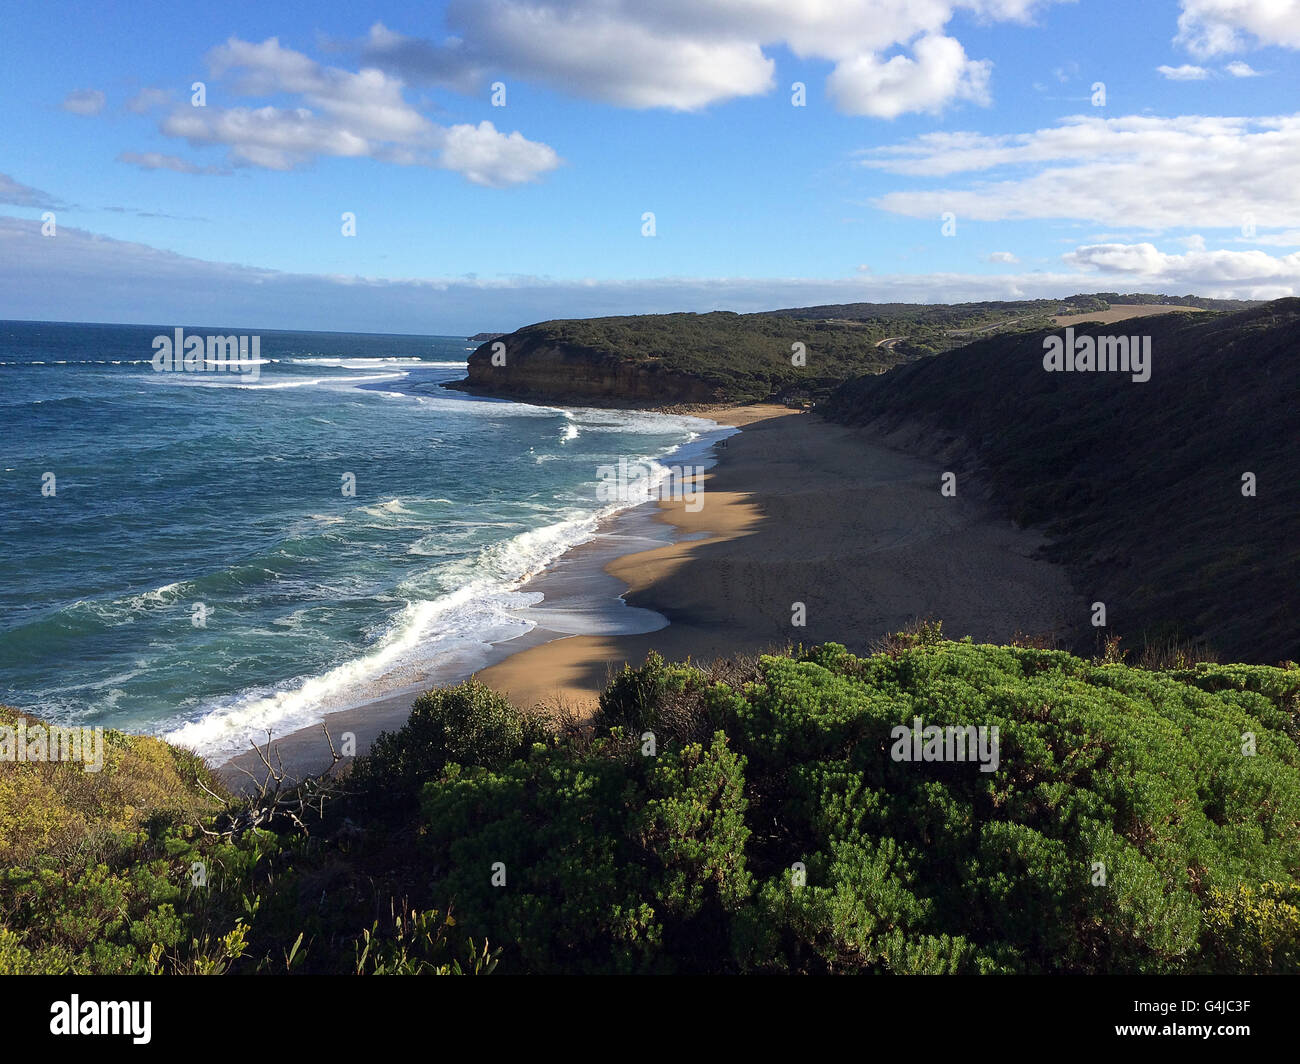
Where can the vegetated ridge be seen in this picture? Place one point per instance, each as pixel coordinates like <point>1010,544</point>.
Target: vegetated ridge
<point>722,357</point>
<point>1140,484</point>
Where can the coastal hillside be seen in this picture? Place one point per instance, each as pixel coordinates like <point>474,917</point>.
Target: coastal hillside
<point>962,316</point>
<point>663,359</point>
<point>1143,486</point>
<point>781,814</point>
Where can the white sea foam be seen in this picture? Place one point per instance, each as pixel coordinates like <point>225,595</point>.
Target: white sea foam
<point>368,363</point>
<point>392,506</point>
<point>433,637</point>
<point>462,624</point>
<point>187,380</point>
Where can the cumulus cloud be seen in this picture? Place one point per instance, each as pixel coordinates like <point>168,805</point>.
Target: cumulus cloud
<point>1133,171</point>
<point>1249,271</point>
<point>343,114</point>
<point>488,157</point>
<point>84,102</point>
<point>1002,256</point>
<point>1215,27</point>
<point>687,54</point>
<point>939,74</point>
<point>421,62</point>
<point>1186,72</point>
<point>1242,70</point>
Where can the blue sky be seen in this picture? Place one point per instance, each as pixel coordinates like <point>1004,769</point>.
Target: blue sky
<point>473,216</point>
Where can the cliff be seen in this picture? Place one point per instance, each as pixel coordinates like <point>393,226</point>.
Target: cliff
<point>660,359</point>
<point>555,372</point>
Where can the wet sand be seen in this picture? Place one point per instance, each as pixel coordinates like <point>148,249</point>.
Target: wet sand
<point>797,510</point>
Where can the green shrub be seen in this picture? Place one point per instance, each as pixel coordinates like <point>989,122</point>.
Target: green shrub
<point>1254,929</point>
<point>1139,821</point>
<point>468,724</point>
<point>1122,810</point>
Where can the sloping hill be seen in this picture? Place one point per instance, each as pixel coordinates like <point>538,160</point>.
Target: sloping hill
<point>658,359</point>
<point>721,357</point>
<point>1140,484</point>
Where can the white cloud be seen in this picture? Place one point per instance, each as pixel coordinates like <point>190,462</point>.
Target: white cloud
<point>1213,27</point>
<point>344,115</point>
<point>84,102</point>
<point>1133,171</point>
<point>1002,256</point>
<point>939,74</point>
<point>1248,271</point>
<point>687,54</point>
<point>488,157</point>
<point>1242,70</point>
<point>1186,72</point>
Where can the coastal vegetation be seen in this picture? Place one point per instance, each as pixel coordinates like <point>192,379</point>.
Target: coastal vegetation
<point>659,359</point>
<point>1143,487</point>
<point>746,816</point>
<point>665,358</point>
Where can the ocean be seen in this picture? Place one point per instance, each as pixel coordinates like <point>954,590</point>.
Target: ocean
<point>181,557</point>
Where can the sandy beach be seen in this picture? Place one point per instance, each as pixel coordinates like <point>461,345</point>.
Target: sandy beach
<point>796,510</point>
<point>801,510</point>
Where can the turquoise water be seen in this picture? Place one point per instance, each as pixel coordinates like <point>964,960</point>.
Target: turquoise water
<point>182,496</point>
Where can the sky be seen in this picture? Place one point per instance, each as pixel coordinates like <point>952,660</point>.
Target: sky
<point>457,167</point>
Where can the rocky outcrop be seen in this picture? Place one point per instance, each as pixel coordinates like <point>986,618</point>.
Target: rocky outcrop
<point>557,373</point>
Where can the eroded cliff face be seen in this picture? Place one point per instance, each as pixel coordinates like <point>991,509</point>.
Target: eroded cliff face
<point>562,374</point>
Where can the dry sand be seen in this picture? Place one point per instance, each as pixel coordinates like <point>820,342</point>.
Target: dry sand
<point>800,510</point>
<point>796,510</point>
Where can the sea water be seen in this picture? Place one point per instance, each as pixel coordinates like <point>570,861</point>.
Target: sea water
<point>179,554</point>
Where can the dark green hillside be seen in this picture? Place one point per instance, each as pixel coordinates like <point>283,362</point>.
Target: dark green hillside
<point>942,315</point>
<point>1140,484</point>
<point>966,315</point>
<point>671,358</point>
<point>661,359</point>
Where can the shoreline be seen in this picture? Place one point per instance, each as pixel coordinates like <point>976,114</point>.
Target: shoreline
<point>796,509</point>
<point>801,510</point>
<point>580,596</point>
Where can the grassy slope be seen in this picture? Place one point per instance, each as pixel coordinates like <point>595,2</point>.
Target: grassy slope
<point>1139,483</point>
<point>60,808</point>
